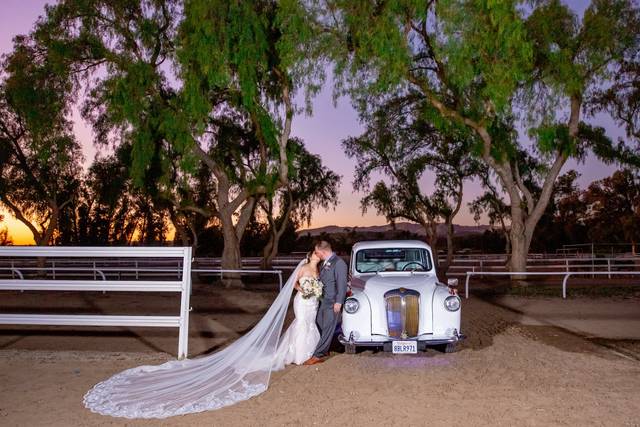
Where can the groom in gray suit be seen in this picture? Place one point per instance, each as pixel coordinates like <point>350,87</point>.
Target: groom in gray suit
<point>333,274</point>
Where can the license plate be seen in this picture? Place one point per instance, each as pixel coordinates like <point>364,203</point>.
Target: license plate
<point>404,347</point>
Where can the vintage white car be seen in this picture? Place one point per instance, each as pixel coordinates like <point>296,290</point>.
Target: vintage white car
<point>396,301</point>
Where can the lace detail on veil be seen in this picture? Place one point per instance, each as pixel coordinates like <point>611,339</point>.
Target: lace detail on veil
<point>236,373</point>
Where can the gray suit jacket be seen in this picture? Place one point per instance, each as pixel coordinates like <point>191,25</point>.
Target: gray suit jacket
<point>333,274</point>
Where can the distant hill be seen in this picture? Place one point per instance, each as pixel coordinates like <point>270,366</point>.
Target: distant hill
<point>459,230</point>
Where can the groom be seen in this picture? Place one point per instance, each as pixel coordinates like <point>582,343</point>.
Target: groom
<point>333,274</point>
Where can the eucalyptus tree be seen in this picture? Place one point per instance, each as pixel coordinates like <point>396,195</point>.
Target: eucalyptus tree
<point>176,77</point>
<point>40,160</point>
<point>5,239</point>
<point>311,185</point>
<point>401,143</point>
<point>479,63</point>
<point>492,204</point>
<point>191,204</point>
<point>110,209</point>
<point>613,213</point>
<point>621,97</point>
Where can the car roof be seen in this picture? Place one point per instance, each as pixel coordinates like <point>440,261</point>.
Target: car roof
<point>382,244</point>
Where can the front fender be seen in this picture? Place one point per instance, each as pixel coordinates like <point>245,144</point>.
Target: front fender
<point>444,321</point>
<point>359,322</point>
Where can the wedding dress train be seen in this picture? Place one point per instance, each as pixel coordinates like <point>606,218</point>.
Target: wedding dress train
<point>235,373</point>
<point>301,339</point>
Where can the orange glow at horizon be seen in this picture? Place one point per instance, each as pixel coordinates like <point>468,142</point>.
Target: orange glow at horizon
<point>21,235</point>
<point>18,232</point>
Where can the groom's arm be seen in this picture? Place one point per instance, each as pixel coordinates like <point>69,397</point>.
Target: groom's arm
<point>341,283</point>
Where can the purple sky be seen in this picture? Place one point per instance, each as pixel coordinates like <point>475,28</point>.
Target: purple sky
<point>322,132</point>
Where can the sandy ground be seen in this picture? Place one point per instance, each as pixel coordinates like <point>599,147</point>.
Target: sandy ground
<point>516,368</point>
<point>610,318</point>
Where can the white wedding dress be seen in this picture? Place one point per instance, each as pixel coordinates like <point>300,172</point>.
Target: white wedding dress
<point>301,339</point>
<point>238,372</point>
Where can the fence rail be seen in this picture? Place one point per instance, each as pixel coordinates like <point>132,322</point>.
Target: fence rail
<point>183,286</point>
<point>565,275</point>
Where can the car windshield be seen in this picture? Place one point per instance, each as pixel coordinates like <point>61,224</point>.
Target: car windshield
<point>392,259</point>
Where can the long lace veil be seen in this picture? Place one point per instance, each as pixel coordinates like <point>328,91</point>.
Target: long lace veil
<point>235,373</point>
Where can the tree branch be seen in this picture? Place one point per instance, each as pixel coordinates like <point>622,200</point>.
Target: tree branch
<point>20,217</point>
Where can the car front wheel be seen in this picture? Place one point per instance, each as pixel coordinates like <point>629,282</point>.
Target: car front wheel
<point>448,348</point>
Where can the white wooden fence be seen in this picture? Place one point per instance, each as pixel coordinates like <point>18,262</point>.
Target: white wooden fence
<point>566,275</point>
<point>181,285</point>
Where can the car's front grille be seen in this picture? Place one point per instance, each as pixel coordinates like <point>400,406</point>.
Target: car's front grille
<point>403,309</point>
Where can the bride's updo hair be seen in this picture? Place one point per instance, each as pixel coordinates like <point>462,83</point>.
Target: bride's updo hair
<point>307,258</point>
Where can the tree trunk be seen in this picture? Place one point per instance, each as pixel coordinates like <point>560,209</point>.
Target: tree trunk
<point>449,225</point>
<point>273,252</point>
<point>519,244</point>
<point>194,237</point>
<point>507,244</point>
<point>267,258</point>
<point>432,239</point>
<point>271,249</point>
<point>232,235</point>
<point>519,252</point>
<point>44,239</point>
<point>445,267</point>
<point>231,259</point>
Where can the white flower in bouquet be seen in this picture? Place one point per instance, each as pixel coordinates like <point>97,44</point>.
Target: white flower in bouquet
<point>310,287</point>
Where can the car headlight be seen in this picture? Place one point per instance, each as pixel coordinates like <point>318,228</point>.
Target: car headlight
<point>351,305</point>
<point>452,303</point>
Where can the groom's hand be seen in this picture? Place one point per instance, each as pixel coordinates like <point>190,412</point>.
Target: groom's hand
<point>336,308</point>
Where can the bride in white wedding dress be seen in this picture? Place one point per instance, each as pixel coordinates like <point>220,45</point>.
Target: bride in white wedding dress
<point>301,339</point>
<point>238,372</point>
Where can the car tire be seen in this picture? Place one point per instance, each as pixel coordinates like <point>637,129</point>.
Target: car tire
<point>350,348</point>
<point>448,348</point>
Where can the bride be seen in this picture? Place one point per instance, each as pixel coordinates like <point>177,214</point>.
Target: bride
<point>301,339</point>
<point>238,372</point>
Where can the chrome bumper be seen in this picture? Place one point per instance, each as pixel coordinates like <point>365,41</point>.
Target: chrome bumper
<point>386,341</point>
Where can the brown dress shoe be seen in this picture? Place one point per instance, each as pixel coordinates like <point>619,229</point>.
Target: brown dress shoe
<point>314,360</point>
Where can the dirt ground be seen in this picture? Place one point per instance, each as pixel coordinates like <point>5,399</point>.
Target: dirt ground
<point>527,361</point>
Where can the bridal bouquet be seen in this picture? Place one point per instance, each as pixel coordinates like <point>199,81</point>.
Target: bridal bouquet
<point>310,287</point>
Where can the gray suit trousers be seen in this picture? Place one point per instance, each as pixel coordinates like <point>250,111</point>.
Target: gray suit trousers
<point>327,322</point>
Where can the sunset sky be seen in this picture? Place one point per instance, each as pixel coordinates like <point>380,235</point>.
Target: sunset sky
<point>322,133</point>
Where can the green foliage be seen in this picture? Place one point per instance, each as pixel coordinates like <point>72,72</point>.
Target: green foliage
<point>249,51</point>
<point>473,59</point>
<point>40,160</point>
<point>615,208</point>
<point>486,48</point>
<point>572,56</point>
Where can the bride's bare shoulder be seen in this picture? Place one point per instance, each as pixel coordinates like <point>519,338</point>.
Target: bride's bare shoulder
<point>304,269</point>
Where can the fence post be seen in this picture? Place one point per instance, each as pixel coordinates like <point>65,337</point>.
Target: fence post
<point>137,275</point>
<point>566,262</point>
<point>564,285</point>
<point>280,278</point>
<point>95,277</point>
<point>53,268</point>
<point>481,269</point>
<point>466,286</point>
<point>609,267</point>
<point>183,338</point>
